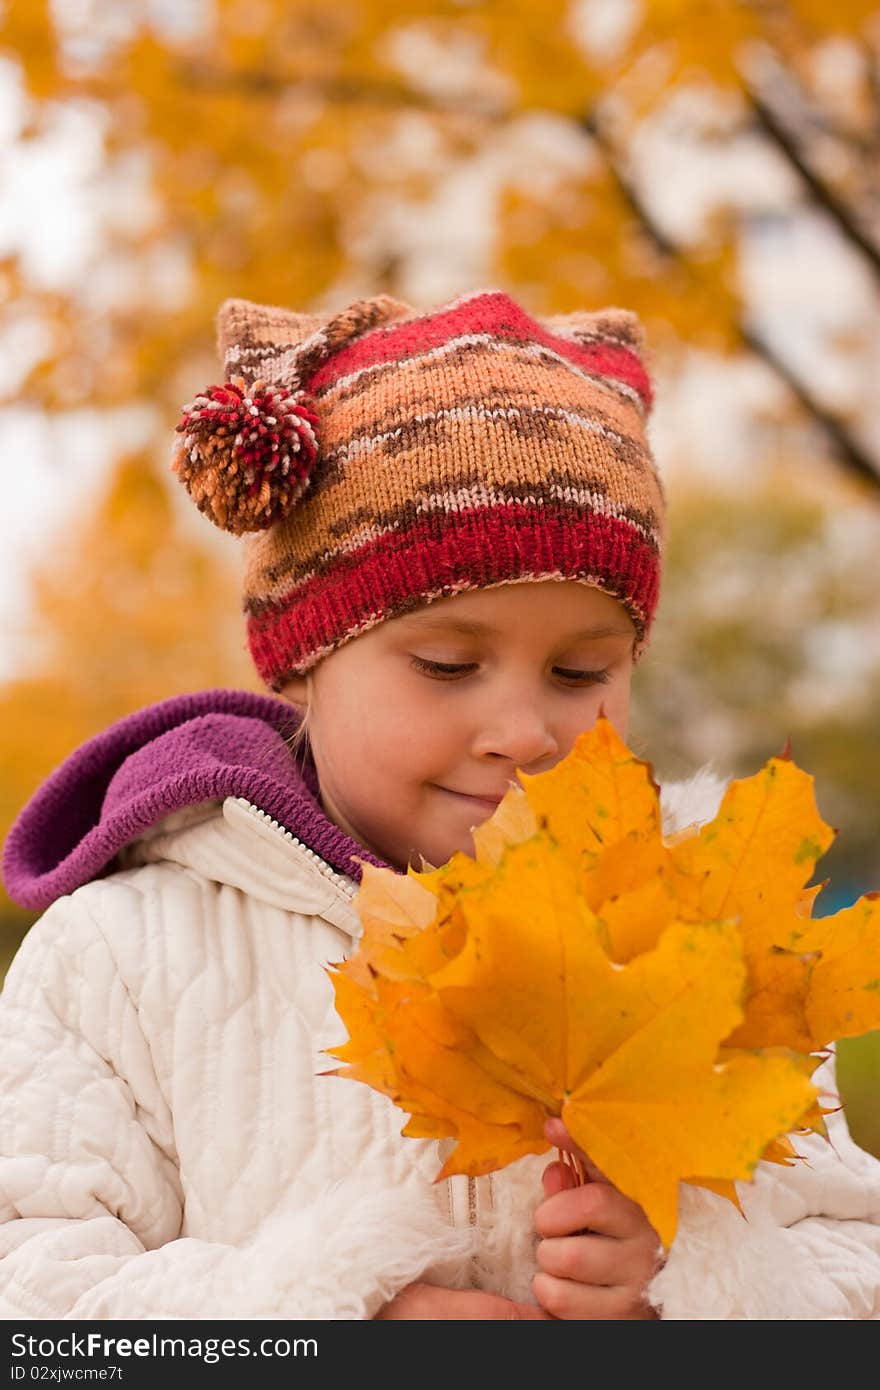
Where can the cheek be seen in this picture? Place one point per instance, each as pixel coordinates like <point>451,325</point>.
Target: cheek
<point>617,705</point>
<point>417,733</point>
<point>388,741</point>
<point>612,700</point>
<point>420,749</point>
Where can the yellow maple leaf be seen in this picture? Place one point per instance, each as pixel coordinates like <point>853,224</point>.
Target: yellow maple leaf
<point>512,822</point>
<point>757,854</point>
<point>844,994</point>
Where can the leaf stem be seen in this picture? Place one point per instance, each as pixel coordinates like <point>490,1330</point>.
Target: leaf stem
<point>574,1166</point>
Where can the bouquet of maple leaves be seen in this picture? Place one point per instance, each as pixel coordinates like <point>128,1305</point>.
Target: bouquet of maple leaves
<point>669,997</point>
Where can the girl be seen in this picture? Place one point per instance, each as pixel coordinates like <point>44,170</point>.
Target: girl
<point>453,564</point>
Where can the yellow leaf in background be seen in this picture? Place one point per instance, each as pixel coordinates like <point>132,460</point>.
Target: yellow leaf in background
<point>759,851</point>
<point>637,888</point>
<point>392,909</point>
<point>810,980</point>
<point>626,864</point>
<point>400,904</point>
<point>368,1045</point>
<point>807,900</point>
<point>781,1151</point>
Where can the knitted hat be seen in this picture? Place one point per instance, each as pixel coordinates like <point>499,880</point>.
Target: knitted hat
<point>383,457</point>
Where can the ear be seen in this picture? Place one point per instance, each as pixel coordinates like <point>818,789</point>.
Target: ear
<point>296,692</point>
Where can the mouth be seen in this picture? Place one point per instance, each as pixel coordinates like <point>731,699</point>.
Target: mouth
<point>487,803</point>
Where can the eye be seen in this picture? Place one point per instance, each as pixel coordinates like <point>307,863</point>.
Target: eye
<point>442,670</point>
<point>583,677</point>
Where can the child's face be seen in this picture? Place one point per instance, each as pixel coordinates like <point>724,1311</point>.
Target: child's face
<point>418,726</point>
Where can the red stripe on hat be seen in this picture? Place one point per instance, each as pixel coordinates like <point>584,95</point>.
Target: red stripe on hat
<point>496,314</point>
<point>393,574</point>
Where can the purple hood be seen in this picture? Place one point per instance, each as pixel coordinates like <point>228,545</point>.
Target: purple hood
<point>214,743</point>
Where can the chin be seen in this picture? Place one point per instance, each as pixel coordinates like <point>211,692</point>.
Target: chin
<point>436,857</point>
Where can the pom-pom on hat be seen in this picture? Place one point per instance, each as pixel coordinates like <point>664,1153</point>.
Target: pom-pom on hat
<point>382,457</point>
<point>246,453</point>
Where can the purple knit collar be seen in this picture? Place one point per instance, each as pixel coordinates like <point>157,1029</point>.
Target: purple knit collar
<point>213,743</point>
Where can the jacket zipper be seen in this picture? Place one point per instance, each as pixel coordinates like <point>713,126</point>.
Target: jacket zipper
<point>472,1222</point>
<point>339,881</point>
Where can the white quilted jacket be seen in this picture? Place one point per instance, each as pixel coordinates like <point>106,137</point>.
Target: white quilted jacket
<point>170,1149</point>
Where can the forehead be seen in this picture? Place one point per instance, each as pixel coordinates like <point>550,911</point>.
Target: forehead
<point>552,606</point>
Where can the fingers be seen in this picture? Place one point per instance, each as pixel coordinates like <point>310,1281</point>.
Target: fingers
<point>557,1178</point>
<point>431,1302</point>
<point>566,1300</point>
<point>596,1206</point>
<point>594,1260</point>
<point>558,1135</point>
<point>598,1251</point>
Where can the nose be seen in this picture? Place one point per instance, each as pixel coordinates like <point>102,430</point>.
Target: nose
<point>517,731</point>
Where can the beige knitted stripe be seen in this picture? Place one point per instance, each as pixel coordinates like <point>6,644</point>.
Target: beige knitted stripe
<point>418,387</point>
<point>511,443</point>
<point>472,493</point>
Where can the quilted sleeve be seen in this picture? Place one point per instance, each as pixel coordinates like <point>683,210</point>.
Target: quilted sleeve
<point>806,1246</point>
<point>90,1193</point>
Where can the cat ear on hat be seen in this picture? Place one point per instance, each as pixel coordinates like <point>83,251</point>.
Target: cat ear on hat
<point>287,347</point>
<point>612,325</point>
<point>615,340</point>
<point>248,332</point>
<point>248,446</point>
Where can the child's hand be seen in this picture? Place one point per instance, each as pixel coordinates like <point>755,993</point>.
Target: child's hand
<point>598,1251</point>
<point>431,1303</point>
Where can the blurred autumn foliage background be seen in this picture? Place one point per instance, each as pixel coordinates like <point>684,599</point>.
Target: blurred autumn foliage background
<point>712,165</point>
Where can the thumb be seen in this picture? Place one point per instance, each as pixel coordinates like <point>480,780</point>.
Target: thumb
<point>528,1312</point>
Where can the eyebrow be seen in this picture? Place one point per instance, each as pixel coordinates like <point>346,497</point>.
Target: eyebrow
<point>472,628</point>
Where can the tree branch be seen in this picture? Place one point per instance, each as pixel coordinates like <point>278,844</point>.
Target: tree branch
<point>339,90</point>
<point>847,448</point>
<point>846,222</point>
